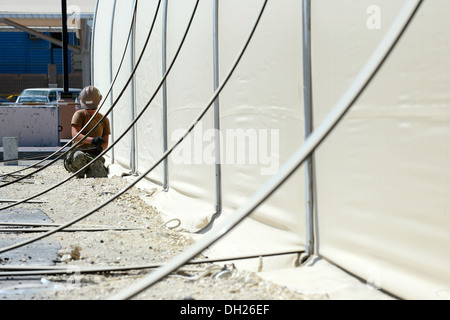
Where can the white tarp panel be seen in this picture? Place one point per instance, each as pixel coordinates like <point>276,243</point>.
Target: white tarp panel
<point>189,88</point>
<point>246,116</point>
<point>382,178</point>
<point>121,116</point>
<point>101,52</point>
<point>101,57</point>
<point>106,62</point>
<point>262,102</point>
<point>148,78</point>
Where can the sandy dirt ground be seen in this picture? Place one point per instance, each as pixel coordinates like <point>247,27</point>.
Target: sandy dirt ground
<point>148,241</point>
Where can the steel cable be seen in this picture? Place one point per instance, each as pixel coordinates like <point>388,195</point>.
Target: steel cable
<point>93,116</point>
<point>21,270</point>
<point>35,164</point>
<point>126,188</point>
<point>100,155</point>
<point>361,82</point>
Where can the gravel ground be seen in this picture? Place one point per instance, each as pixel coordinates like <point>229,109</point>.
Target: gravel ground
<point>149,242</point>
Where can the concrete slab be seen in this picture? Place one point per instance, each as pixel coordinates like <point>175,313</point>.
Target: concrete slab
<point>38,253</point>
<point>24,215</point>
<point>35,253</point>
<point>41,254</point>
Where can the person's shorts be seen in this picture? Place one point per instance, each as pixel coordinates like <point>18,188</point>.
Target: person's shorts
<point>75,160</point>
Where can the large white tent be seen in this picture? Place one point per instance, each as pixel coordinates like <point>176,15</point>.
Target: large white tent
<point>381,179</point>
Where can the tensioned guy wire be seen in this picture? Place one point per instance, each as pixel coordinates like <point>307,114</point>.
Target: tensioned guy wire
<point>33,158</point>
<point>361,82</point>
<point>43,270</point>
<point>106,114</point>
<point>90,120</point>
<point>129,186</point>
<point>129,127</point>
<point>11,270</point>
<point>168,152</point>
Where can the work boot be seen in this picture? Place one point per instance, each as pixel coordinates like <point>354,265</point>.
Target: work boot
<point>97,169</point>
<point>76,160</point>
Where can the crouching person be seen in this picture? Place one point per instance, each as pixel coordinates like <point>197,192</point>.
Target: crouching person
<point>92,145</point>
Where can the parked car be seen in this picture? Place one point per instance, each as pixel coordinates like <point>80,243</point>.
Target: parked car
<point>34,99</point>
<point>9,100</point>
<point>44,95</point>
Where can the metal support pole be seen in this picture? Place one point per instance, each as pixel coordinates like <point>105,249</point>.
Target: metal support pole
<point>133,130</point>
<point>111,96</point>
<point>85,52</point>
<point>308,112</point>
<point>164,95</point>
<point>65,40</point>
<point>93,41</point>
<point>218,170</point>
<point>217,135</point>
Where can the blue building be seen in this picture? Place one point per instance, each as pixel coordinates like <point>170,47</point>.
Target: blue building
<point>23,53</point>
<point>30,45</point>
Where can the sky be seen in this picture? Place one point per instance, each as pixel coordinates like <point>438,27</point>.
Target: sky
<point>45,6</point>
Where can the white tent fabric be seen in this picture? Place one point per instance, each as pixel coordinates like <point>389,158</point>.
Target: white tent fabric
<point>382,178</point>
<point>382,175</point>
<point>192,181</point>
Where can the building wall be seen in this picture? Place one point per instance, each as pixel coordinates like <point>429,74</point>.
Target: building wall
<point>24,63</point>
<point>13,84</point>
<point>23,54</point>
